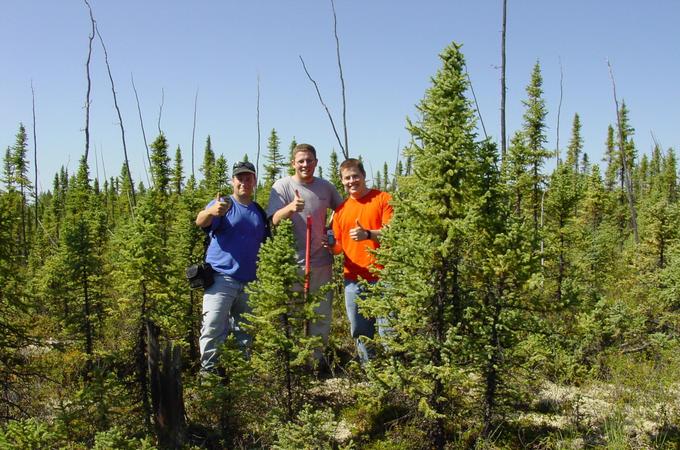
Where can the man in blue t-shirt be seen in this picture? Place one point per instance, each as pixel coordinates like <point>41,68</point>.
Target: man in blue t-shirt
<point>237,227</point>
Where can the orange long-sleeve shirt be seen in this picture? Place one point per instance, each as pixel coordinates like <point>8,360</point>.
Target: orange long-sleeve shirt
<point>372,211</point>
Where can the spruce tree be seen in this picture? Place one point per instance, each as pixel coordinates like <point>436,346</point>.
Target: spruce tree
<point>274,162</point>
<point>611,160</point>
<point>334,172</point>
<point>8,170</point>
<point>386,178</point>
<point>17,314</point>
<point>160,164</point>
<point>534,127</point>
<point>219,182</point>
<point>208,163</point>
<point>282,350</point>
<point>291,148</point>
<point>398,173</point>
<point>446,286</point>
<point>186,247</point>
<point>20,177</point>
<point>72,281</point>
<point>575,144</point>
<point>177,178</point>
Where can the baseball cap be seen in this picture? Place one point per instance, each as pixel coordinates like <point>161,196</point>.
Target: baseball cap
<point>243,167</point>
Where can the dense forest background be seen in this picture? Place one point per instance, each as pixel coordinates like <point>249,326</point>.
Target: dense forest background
<point>528,308</point>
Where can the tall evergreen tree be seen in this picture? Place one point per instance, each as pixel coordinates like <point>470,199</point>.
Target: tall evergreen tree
<point>208,162</point>
<point>575,144</point>
<point>611,160</point>
<point>282,350</point>
<point>334,172</point>
<point>160,164</point>
<point>177,178</point>
<point>73,276</point>
<point>220,177</point>
<point>446,285</point>
<point>17,317</point>
<point>386,178</point>
<point>274,162</point>
<point>20,177</point>
<point>398,173</point>
<point>377,184</point>
<point>291,147</point>
<point>8,170</point>
<point>535,138</point>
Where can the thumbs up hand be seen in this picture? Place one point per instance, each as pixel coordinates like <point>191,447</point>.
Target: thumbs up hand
<point>359,233</point>
<point>219,208</point>
<point>298,203</point>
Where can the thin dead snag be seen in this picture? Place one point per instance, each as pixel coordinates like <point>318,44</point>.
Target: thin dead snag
<point>504,144</point>
<point>257,158</point>
<point>160,110</point>
<point>559,112</point>
<point>89,82</point>
<point>328,112</point>
<point>342,79</point>
<point>193,134</point>
<point>141,123</point>
<point>35,159</point>
<point>343,147</point>
<point>474,97</point>
<point>120,118</point>
<point>624,162</point>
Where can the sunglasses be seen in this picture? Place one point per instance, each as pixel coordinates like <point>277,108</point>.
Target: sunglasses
<point>244,164</point>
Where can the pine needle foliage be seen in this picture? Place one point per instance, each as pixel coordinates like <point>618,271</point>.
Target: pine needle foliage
<point>455,265</point>
<point>282,350</point>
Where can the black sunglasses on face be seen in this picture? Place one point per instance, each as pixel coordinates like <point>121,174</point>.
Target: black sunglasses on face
<point>244,164</point>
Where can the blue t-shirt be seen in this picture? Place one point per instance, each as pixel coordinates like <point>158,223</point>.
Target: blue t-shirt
<point>236,239</point>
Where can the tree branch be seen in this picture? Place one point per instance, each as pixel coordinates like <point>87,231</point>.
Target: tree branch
<point>474,97</point>
<point>35,158</point>
<point>141,123</point>
<point>626,172</point>
<point>257,158</point>
<point>559,109</point>
<point>193,134</point>
<point>120,118</point>
<point>504,144</point>
<point>335,131</point>
<point>160,110</point>
<point>89,82</point>
<point>342,80</point>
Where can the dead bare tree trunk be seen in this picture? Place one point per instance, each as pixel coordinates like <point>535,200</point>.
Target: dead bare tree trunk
<point>342,78</point>
<point>474,97</point>
<point>257,159</point>
<point>193,135</point>
<point>160,110</point>
<point>559,111</point>
<point>504,144</point>
<point>343,147</point>
<point>35,160</point>
<point>165,378</point>
<point>141,123</point>
<point>120,118</point>
<point>89,83</point>
<point>328,112</point>
<point>624,163</point>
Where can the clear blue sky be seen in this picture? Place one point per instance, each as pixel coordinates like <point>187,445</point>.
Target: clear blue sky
<point>389,51</point>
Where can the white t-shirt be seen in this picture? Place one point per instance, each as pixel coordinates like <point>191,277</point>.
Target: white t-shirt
<point>319,196</point>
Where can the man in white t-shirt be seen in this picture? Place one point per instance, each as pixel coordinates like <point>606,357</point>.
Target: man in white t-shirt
<point>296,197</point>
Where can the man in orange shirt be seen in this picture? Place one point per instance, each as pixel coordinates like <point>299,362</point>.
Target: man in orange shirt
<point>357,226</point>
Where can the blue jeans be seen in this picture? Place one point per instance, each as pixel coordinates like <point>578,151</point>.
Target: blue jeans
<point>224,303</point>
<point>359,325</point>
